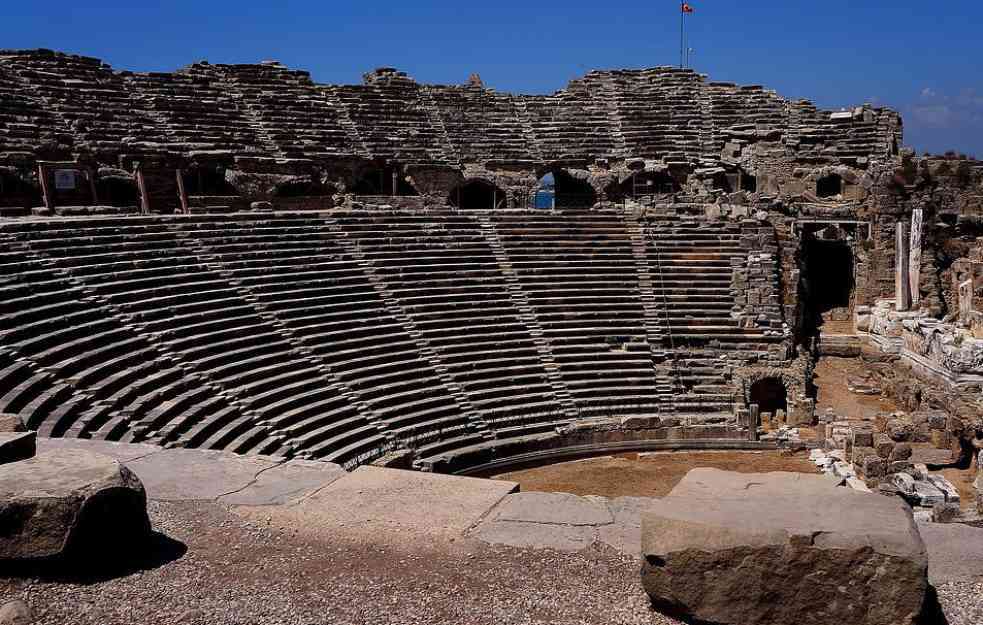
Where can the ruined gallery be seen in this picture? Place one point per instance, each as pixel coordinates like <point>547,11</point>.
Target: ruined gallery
<point>345,307</point>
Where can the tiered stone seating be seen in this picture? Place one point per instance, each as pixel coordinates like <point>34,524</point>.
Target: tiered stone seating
<point>580,275</point>
<point>692,273</point>
<point>481,124</point>
<point>298,117</point>
<point>390,117</point>
<point>90,100</point>
<point>443,274</point>
<point>194,111</point>
<point>574,123</point>
<point>735,111</point>
<point>25,122</point>
<point>344,335</point>
<point>658,109</point>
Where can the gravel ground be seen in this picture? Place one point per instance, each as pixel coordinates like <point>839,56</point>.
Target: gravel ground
<point>235,571</point>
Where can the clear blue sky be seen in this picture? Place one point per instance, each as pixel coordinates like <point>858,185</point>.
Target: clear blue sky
<point>922,58</point>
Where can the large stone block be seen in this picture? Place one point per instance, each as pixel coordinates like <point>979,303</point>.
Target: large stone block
<point>781,548</point>
<point>70,503</point>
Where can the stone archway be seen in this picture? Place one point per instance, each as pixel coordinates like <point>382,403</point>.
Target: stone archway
<point>477,194</point>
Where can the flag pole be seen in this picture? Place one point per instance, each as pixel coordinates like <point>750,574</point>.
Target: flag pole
<point>681,35</point>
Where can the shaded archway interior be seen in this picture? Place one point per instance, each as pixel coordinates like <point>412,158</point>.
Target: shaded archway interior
<point>828,281</point>
<point>770,395</point>
<point>477,195</point>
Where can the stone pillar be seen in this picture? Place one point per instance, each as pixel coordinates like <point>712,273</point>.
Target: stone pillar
<point>902,283</point>
<point>915,256</point>
<point>754,421</point>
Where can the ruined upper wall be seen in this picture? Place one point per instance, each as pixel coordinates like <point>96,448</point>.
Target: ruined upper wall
<point>54,105</point>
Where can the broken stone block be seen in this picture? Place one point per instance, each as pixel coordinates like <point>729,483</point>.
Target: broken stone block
<point>946,512</point>
<point>899,431</point>
<point>901,451</point>
<point>873,467</point>
<point>884,446</point>
<point>927,494</point>
<point>904,482</point>
<point>72,503</point>
<point>863,437</point>
<point>710,555</point>
<point>944,485</point>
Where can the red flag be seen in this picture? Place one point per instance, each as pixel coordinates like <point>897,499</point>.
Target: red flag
<point>687,8</point>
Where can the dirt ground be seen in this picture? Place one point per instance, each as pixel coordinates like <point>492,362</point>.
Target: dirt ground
<point>832,375</point>
<point>647,475</point>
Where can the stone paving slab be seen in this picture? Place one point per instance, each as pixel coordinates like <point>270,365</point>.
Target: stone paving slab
<point>376,500</point>
<point>196,474</point>
<point>565,522</point>
<point>121,452</point>
<point>285,482</point>
<point>955,552</point>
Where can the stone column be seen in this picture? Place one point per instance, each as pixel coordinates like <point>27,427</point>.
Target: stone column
<point>902,282</point>
<point>915,256</point>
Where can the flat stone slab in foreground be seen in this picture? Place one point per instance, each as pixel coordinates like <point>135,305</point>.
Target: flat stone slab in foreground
<point>376,501</point>
<point>70,502</point>
<point>778,548</point>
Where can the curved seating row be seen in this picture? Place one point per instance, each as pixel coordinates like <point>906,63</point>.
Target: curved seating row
<point>345,335</point>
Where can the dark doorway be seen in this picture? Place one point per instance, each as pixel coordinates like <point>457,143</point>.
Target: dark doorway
<point>117,191</point>
<point>477,195</point>
<point>571,192</point>
<point>303,188</point>
<point>207,181</point>
<point>770,395</point>
<point>829,186</point>
<point>829,284</point>
<point>749,183</point>
<point>15,192</point>
<point>383,182</point>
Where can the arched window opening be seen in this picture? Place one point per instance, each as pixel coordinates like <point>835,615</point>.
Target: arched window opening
<point>384,182</point>
<point>207,181</point>
<point>117,191</point>
<point>770,396</point>
<point>560,189</point>
<point>829,186</point>
<point>477,195</point>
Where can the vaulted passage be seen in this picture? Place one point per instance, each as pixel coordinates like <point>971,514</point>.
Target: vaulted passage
<point>648,183</point>
<point>829,284</point>
<point>207,181</point>
<point>117,191</point>
<point>560,189</point>
<point>14,192</point>
<point>829,186</point>
<point>770,396</point>
<point>477,195</point>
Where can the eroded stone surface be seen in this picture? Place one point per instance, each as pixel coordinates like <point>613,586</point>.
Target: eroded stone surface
<point>68,499</point>
<point>781,548</point>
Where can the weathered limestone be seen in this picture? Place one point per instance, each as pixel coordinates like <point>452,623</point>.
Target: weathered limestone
<point>69,503</point>
<point>781,548</point>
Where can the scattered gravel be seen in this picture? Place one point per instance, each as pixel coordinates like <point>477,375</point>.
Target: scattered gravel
<point>236,571</point>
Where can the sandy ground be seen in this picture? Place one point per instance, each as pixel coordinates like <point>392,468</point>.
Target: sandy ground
<point>646,475</point>
<point>832,392</point>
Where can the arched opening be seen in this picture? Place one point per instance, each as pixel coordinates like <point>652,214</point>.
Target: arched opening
<point>770,396</point>
<point>560,189</point>
<point>725,182</point>
<point>828,281</point>
<point>477,195</point>
<point>383,182</point>
<point>829,186</point>
<point>649,183</point>
<point>207,181</point>
<point>117,191</point>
